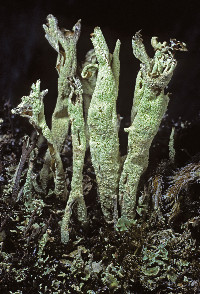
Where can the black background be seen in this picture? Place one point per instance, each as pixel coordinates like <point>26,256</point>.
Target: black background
<point>25,54</point>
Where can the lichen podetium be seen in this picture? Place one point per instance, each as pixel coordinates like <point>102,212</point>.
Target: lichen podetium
<point>32,107</point>
<point>64,42</point>
<point>79,146</point>
<point>102,123</point>
<point>150,104</point>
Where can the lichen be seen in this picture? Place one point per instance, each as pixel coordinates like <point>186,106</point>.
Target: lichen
<point>102,123</point>
<point>32,107</point>
<point>79,147</point>
<point>64,42</point>
<point>148,109</point>
<point>161,262</point>
<point>86,102</point>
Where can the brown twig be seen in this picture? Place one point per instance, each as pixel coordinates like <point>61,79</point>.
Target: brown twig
<point>26,150</point>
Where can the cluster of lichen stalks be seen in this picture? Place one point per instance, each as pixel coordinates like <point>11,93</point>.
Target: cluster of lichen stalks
<point>87,101</point>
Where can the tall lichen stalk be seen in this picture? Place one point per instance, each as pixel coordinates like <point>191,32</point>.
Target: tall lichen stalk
<point>64,42</point>
<point>87,101</point>
<point>150,104</point>
<point>79,146</point>
<point>102,123</point>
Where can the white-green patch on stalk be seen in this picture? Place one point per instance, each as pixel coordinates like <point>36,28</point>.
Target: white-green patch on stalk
<point>88,79</point>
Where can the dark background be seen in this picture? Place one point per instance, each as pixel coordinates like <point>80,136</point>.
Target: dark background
<point>25,54</point>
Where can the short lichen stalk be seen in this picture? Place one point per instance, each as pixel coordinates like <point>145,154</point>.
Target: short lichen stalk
<point>32,107</point>
<point>79,147</point>
<point>102,123</point>
<point>148,109</point>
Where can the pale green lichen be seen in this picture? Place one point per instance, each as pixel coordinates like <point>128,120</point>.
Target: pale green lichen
<point>159,262</point>
<point>64,42</point>
<point>111,275</point>
<point>69,109</point>
<point>88,104</point>
<point>42,243</point>
<point>32,107</point>
<point>102,123</point>
<point>148,110</point>
<point>79,147</point>
<point>88,72</point>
